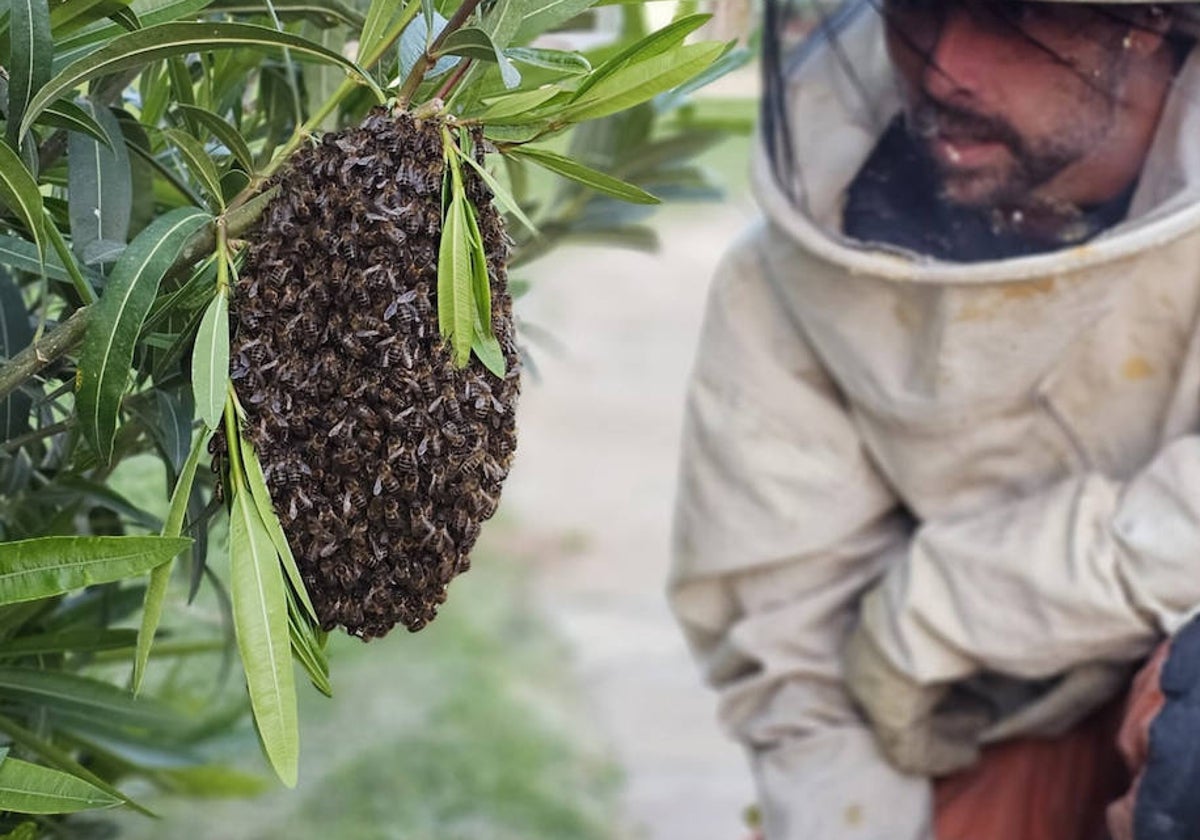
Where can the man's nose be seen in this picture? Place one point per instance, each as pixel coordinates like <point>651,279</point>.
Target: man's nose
<point>958,58</point>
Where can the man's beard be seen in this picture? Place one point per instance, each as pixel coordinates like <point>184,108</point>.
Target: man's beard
<point>1029,163</point>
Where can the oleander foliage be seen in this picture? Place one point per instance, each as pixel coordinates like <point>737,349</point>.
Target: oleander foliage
<point>147,147</point>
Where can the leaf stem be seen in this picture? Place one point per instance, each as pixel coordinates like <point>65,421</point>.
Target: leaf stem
<point>428,58</point>
<point>82,286</point>
<point>222,256</point>
<point>456,77</point>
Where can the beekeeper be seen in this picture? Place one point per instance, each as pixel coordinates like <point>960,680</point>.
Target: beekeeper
<point>940,485</point>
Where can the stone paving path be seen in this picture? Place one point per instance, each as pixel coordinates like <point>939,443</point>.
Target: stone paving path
<point>594,477</point>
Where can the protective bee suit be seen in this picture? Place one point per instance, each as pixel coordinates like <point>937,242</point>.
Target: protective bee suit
<point>985,475</point>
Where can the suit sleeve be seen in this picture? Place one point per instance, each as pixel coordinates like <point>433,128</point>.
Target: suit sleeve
<point>1089,569</point>
<point>781,524</point>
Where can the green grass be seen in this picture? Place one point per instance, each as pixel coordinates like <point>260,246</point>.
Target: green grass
<point>469,730</point>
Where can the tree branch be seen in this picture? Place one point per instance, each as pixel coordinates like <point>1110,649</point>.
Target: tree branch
<point>45,351</point>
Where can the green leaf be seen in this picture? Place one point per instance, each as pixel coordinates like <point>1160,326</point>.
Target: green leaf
<point>305,647</point>
<point>198,163</point>
<point>223,131</point>
<point>73,641</point>
<point>480,281</point>
<point>135,49</point>
<point>72,696</point>
<point>470,42</point>
<point>324,13</point>
<point>31,789</point>
<point>59,759</point>
<point>587,176</point>
<point>456,301</point>
<point>69,116</point>
<point>47,566</point>
<point>149,13</point>
<point>29,67</point>
<point>16,333</point>
<point>210,361</point>
<point>487,348</point>
<point>19,191</point>
<point>99,185</point>
<point>69,487</point>
<point>654,44</point>
<point>540,18</point>
<point>566,62</point>
<point>502,195</point>
<point>113,329</point>
<point>642,81</point>
<point>375,28</point>
<point>477,44</point>
<point>727,63</point>
<point>156,592</point>
<point>257,484</point>
<point>261,622</point>
<point>22,255</point>
<point>74,15</point>
<point>502,108</point>
<point>170,422</point>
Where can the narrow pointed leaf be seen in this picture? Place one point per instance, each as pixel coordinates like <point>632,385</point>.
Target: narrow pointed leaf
<point>257,483</point>
<point>71,641</point>
<point>156,591</point>
<point>654,44</point>
<point>470,43</point>
<point>456,302</point>
<point>59,759</point>
<point>210,361</point>
<point>502,195</point>
<point>539,18</point>
<point>517,104</point>
<point>32,52</point>
<point>99,184</point>
<point>567,62</point>
<point>47,566</point>
<point>71,695</point>
<point>223,131</point>
<point>643,81</point>
<point>587,176</point>
<point>481,285</point>
<point>32,789</point>
<point>19,192</point>
<point>136,49</point>
<point>22,255</point>
<point>198,163</point>
<point>305,647</point>
<point>260,619</point>
<point>113,330</point>
<point>379,15</point>
<point>67,115</point>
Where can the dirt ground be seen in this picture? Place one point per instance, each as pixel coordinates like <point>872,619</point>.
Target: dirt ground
<point>593,487</point>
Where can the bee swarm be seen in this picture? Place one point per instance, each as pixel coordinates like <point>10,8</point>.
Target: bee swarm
<point>381,456</point>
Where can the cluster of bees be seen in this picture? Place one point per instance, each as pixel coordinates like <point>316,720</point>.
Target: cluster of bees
<point>381,456</point>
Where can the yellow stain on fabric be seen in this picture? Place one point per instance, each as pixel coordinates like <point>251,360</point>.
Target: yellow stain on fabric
<point>1136,368</point>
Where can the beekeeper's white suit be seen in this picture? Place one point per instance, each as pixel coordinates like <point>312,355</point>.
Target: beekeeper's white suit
<point>1036,415</point>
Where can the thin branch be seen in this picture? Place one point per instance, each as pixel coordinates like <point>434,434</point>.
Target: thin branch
<point>45,351</point>
<point>428,58</point>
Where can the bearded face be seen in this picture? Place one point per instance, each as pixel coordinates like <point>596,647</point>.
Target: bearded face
<point>1010,100</point>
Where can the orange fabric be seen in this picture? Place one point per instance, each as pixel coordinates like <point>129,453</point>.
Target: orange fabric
<point>1057,788</point>
<point>1145,702</point>
<point>1035,788</point>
